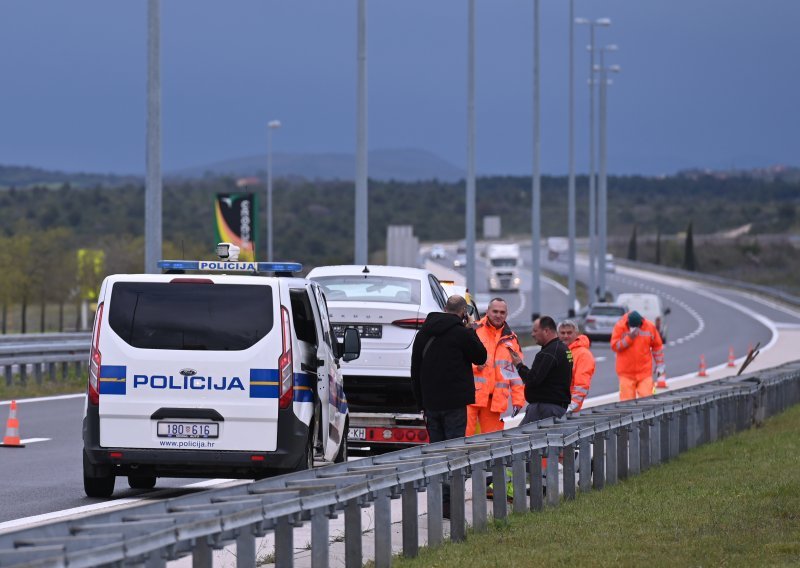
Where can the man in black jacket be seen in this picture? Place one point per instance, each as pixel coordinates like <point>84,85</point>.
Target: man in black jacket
<point>547,382</point>
<point>441,369</point>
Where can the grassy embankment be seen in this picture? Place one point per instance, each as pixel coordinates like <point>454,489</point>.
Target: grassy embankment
<point>732,503</point>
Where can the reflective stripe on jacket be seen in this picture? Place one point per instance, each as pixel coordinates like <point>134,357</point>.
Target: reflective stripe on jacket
<point>582,370</point>
<point>498,378</point>
<point>635,355</point>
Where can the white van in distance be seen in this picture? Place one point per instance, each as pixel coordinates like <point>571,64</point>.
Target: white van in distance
<point>229,371</point>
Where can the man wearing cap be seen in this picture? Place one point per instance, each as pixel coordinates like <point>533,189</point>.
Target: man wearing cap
<point>638,345</point>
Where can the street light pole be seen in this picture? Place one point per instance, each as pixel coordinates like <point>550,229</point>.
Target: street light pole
<point>361,233</point>
<point>604,22</point>
<point>271,125</point>
<point>571,183</point>
<point>152,194</point>
<point>536,190</point>
<point>470,181</point>
<point>603,194</point>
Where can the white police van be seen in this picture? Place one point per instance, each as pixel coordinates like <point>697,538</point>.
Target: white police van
<point>212,369</point>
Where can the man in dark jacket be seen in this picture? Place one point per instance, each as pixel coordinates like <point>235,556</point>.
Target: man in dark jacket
<point>441,369</point>
<point>547,382</point>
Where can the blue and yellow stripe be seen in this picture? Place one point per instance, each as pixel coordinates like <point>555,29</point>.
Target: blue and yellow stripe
<point>112,379</point>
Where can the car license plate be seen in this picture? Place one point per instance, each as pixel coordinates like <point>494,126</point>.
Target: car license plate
<point>188,430</point>
<point>357,433</point>
<point>368,331</point>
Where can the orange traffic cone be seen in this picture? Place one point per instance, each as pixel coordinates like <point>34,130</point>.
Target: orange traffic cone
<point>702,371</point>
<point>661,382</point>
<point>731,357</point>
<point>11,439</point>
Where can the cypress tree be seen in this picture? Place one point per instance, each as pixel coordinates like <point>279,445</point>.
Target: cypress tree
<point>658,246</point>
<point>688,255</point>
<point>632,248</point>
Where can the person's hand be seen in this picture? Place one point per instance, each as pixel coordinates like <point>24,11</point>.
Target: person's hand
<point>572,407</point>
<point>515,410</point>
<point>480,367</point>
<point>515,358</point>
<point>660,371</point>
<point>634,332</point>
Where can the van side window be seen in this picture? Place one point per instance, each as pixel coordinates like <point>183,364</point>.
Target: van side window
<point>304,325</point>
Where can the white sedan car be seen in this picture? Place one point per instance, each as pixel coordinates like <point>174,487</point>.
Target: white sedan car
<point>387,304</point>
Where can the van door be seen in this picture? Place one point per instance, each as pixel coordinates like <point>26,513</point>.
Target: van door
<point>329,382</point>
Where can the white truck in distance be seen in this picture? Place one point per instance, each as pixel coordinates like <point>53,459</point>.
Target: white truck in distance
<point>504,263</point>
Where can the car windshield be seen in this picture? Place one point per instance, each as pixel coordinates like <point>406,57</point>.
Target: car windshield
<point>607,311</point>
<point>504,262</point>
<point>370,288</point>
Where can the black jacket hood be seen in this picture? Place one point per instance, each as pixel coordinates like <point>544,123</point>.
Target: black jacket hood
<point>438,323</point>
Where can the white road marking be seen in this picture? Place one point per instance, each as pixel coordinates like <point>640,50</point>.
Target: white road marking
<point>34,440</point>
<point>43,399</point>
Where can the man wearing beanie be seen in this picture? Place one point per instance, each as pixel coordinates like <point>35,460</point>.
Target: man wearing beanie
<point>638,346</point>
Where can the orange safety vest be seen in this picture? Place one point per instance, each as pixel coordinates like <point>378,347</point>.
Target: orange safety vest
<point>635,355</point>
<point>582,369</point>
<point>497,378</point>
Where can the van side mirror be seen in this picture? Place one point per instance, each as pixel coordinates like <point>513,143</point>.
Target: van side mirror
<point>351,347</point>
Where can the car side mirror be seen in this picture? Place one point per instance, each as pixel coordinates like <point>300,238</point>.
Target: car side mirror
<point>667,311</point>
<point>351,347</point>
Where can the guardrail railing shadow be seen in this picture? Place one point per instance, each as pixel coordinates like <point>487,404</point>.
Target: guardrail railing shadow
<point>584,451</point>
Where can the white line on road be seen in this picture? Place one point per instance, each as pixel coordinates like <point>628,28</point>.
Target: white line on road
<point>27,441</point>
<point>43,399</point>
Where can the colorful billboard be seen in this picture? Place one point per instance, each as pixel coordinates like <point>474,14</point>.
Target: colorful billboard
<point>235,222</point>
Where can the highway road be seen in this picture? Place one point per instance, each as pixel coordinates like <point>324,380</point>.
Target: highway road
<point>46,477</point>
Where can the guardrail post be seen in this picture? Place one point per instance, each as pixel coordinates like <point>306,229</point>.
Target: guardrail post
<point>245,547</point>
<point>499,505</point>
<point>622,452</point>
<point>458,520</point>
<point>585,464</point>
<point>535,480</point>
<point>666,434</point>
<point>479,515</point>
<point>676,426</point>
<point>51,372</point>
<point>518,481</point>
<point>713,420</point>
<point>410,520</point>
<point>569,472</point>
<point>599,456</point>
<point>553,449</point>
<point>9,376</point>
<point>201,553</point>
<point>155,560</point>
<point>23,374</point>
<point>685,435</point>
<point>383,529</point>
<point>611,457</point>
<point>284,543</point>
<point>434,499</point>
<point>37,373</point>
<point>635,447</point>
<point>320,537</point>
<point>352,534</point>
<point>64,371</point>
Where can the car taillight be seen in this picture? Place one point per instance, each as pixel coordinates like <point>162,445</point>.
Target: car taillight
<point>95,360</point>
<point>590,320</point>
<point>410,323</point>
<point>285,371</point>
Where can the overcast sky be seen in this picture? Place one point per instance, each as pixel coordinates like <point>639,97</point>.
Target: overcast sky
<point>704,83</point>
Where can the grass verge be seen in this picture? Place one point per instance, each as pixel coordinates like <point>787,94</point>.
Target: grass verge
<point>732,503</point>
<point>31,389</point>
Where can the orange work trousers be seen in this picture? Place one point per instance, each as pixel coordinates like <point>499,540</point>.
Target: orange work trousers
<point>635,387</point>
<point>489,421</point>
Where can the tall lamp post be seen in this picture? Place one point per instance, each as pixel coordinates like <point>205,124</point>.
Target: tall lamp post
<point>600,22</point>
<point>603,185</point>
<point>536,189</point>
<point>152,193</point>
<point>271,125</point>
<point>571,183</point>
<point>470,181</point>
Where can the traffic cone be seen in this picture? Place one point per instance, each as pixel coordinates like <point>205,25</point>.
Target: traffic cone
<point>702,371</point>
<point>661,383</point>
<point>731,357</point>
<point>11,439</point>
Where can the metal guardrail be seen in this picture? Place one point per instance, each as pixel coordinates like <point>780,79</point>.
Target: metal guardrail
<point>47,353</point>
<point>609,443</point>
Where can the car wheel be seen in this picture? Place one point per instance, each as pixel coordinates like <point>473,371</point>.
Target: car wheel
<point>96,486</point>
<point>141,481</point>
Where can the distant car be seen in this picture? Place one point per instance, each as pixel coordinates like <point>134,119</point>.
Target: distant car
<point>650,306</point>
<point>601,318</point>
<point>460,261</point>
<point>437,252</point>
<point>451,288</point>
<point>610,264</point>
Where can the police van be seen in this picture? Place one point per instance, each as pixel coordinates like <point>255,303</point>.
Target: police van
<point>212,369</point>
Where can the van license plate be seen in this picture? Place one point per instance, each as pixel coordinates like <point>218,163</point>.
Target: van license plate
<point>188,430</point>
<point>357,433</point>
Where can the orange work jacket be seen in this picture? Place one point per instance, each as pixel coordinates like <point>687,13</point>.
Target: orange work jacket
<point>582,370</point>
<point>635,355</point>
<point>497,378</point>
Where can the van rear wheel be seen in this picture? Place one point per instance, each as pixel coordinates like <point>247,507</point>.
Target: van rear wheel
<point>141,481</point>
<point>94,485</point>
<point>341,455</point>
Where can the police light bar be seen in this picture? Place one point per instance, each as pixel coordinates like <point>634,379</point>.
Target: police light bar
<point>225,266</point>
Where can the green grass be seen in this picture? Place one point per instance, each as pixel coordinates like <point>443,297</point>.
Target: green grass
<point>31,389</point>
<point>732,503</point>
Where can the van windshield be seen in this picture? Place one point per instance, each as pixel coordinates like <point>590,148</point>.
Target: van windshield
<point>190,316</point>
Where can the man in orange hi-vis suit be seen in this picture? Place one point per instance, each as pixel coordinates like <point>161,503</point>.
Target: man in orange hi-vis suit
<point>497,379</point>
<point>583,364</point>
<point>637,344</point>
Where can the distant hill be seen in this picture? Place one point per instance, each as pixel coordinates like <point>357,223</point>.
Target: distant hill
<point>27,176</point>
<point>404,164</point>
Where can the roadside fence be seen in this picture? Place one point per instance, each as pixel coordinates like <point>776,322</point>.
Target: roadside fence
<point>45,354</point>
<point>588,450</point>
